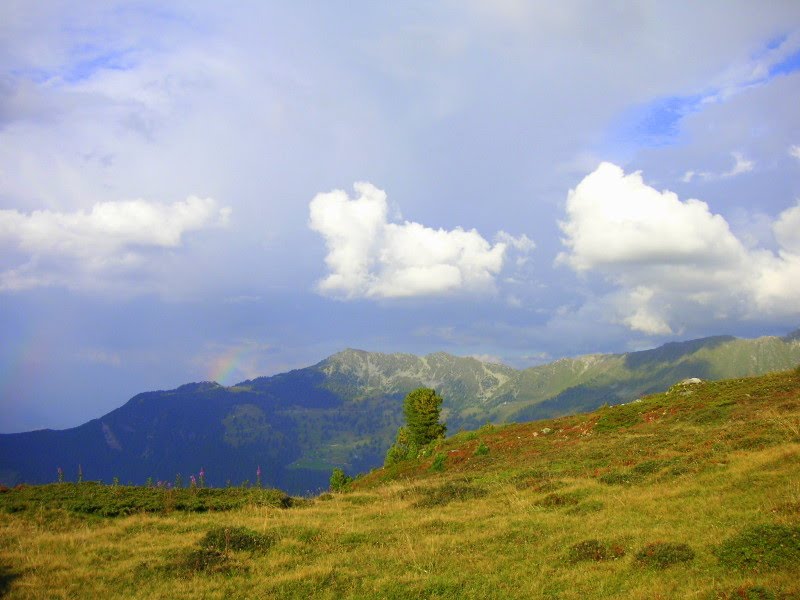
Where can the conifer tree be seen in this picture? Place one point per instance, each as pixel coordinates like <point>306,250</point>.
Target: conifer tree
<point>422,409</point>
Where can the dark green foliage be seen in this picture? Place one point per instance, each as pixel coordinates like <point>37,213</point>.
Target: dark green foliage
<point>92,498</point>
<point>421,409</point>
<point>560,500</point>
<point>620,478</point>
<point>711,415</point>
<point>762,548</point>
<point>402,449</point>
<point>481,450</point>
<point>339,480</point>
<point>594,550</point>
<point>449,492</point>
<point>660,555</point>
<point>648,467</point>
<point>225,539</point>
<point>537,481</point>
<point>208,560</point>
<point>438,462</point>
<point>215,548</point>
<point>748,592</point>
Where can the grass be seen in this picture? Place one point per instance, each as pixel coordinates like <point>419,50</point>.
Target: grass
<point>709,510</point>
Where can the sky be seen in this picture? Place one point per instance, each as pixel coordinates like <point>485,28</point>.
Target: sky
<point>198,190</point>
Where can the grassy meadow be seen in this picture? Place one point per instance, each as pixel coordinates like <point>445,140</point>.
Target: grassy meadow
<point>694,493</point>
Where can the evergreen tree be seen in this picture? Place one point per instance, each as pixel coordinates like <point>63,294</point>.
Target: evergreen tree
<point>422,408</point>
<point>339,480</point>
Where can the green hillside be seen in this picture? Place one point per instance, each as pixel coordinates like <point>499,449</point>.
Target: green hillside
<point>691,493</point>
<point>345,410</point>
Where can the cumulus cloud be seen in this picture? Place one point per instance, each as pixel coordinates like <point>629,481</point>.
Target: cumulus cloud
<point>794,151</point>
<point>370,257</point>
<point>671,259</point>
<point>111,234</point>
<point>787,229</point>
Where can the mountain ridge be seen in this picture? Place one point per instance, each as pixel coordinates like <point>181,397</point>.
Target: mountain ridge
<point>344,411</point>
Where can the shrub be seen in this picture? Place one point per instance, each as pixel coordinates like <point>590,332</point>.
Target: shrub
<point>224,539</point>
<point>594,550</point>
<point>648,467</point>
<point>449,492</point>
<point>620,478</point>
<point>560,500</point>
<point>660,555</point>
<point>751,592</point>
<point>585,508</point>
<point>208,559</point>
<point>761,547</point>
<point>339,480</point>
<point>438,462</point>
<point>481,450</point>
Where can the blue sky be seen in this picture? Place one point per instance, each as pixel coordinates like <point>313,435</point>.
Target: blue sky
<point>203,192</point>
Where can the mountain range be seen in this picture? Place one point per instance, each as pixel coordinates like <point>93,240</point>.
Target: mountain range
<point>345,410</point>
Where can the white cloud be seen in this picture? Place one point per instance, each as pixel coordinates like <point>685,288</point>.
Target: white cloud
<point>112,235</point>
<point>741,165</point>
<point>787,229</point>
<point>522,243</point>
<point>616,220</point>
<point>369,257</point>
<point>795,151</point>
<point>675,260</point>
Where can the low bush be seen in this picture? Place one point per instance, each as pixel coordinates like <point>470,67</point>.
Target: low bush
<point>208,560</point>
<point>438,462</point>
<point>585,508</point>
<point>481,450</point>
<point>594,550</point>
<point>620,478</point>
<point>560,500</point>
<point>648,467</point>
<point>339,480</point>
<point>449,492</point>
<point>94,498</point>
<point>761,548</point>
<point>747,592</point>
<point>660,555</point>
<point>224,539</point>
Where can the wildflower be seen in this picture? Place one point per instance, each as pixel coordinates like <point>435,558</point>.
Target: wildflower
<point>202,477</point>
<point>80,474</point>
<point>60,475</point>
<point>192,482</point>
<point>258,476</point>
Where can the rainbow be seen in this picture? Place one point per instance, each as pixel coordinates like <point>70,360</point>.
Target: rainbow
<point>224,367</point>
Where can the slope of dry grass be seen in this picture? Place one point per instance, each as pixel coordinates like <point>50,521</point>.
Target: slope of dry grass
<point>690,494</point>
